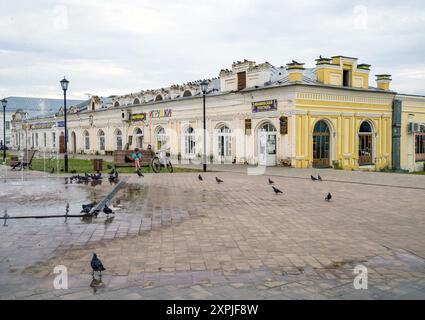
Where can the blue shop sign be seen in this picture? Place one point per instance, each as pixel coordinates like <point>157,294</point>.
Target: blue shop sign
<point>61,124</point>
<point>267,105</point>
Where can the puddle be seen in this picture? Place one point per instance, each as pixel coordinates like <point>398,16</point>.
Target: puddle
<point>42,197</point>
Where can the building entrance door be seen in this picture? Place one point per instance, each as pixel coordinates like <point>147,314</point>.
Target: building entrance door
<point>321,141</point>
<point>267,138</point>
<point>365,144</point>
<point>62,143</point>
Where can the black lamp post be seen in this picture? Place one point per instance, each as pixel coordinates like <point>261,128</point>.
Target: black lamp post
<point>64,83</point>
<point>204,88</point>
<point>4,104</point>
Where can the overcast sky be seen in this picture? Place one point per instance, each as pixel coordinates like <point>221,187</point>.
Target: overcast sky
<point>117,47</point>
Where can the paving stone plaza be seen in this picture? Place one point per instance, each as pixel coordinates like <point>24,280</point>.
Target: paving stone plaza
<point>174,237</point>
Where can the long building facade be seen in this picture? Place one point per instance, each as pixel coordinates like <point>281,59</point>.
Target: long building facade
<point>326,116</point>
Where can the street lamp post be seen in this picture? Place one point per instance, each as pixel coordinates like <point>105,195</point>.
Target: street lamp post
<point>4,104</point>
<point>204,88</point>
<point>64,83</point>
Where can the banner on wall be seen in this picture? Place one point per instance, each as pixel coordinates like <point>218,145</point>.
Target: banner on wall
<point>283,125</point>
<point>42,125</point>
<point>159,114</point>
<point>248,125</point>
<point>138,117</point>
<point>266,105</point>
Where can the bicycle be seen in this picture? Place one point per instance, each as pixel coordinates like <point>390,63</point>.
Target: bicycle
<point>161,161</point>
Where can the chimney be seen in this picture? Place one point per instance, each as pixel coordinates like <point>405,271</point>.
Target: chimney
<point>295,70</point>
<point>383,81</point>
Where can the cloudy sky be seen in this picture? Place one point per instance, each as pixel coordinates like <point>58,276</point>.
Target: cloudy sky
<point>116,47</point>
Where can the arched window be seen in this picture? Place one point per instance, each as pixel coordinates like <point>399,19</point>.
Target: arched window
<point>224,142</point>
<point>365,144</point>
<point>86,140</point>
<point>138,133</point>
<point>189,138</point>
<point>187,93</point>
<point>268,127</point>
<point>101,139</point>
<point>118,139</point>
<point>116,104</point>
<point>54,139</point>
<point>365,127</point>
<point>136,101</point>
<point>161,138</point>
<point>158,97</point>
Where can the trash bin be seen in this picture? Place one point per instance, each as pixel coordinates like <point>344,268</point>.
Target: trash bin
<point>97,164</point>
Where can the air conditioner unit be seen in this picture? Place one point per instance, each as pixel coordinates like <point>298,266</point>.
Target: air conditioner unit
<point>126,115</point>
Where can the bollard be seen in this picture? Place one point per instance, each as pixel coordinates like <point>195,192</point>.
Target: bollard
<point>66,211</point>
<point>5,218</point>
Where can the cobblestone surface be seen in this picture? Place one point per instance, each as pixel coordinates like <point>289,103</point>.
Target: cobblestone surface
<point>179,238</point>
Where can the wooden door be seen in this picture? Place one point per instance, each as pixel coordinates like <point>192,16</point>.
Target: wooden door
<point>62,143</point>
<point>321,142</point>
<point>365,149</point>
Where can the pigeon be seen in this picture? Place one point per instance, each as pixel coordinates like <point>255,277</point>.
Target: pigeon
<point>139,173</point>
<point>96,176</point>
<point>328,197</point>
<point>276,190</point>
<point>113,176</point>
<point>271,181</point>
<point>319,177</point>
<point>313,178</point>
<point>218,180</point>
<point>96,265</point>
<point>200,178</point>
<point>87,208</point>
<point>107,210</point>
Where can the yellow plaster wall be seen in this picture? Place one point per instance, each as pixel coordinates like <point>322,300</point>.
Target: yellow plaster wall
<point>344,128</point>
<point>416,111</point>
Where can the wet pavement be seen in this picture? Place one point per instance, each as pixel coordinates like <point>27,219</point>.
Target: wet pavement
<point>174,237</point>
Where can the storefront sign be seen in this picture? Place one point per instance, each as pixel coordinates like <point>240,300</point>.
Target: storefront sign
<point>283,125</point>
<point>267,105</point>
<point>42,125</point>
<point>163,113</point>
<point>138,117</point>
<point>60,124</point>
<point>247,126</point>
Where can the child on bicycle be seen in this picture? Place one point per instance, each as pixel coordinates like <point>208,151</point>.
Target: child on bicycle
<point>136,155</point>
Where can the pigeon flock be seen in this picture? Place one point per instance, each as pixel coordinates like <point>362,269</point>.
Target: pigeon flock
<point>275,189</point>
<point>95,263</point>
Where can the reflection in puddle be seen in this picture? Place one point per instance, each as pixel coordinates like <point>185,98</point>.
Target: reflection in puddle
<point>49,196</point>
<point>96,284</point>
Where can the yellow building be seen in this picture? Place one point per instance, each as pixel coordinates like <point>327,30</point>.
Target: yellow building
<point>324,116</point>
<point>340,121</point>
